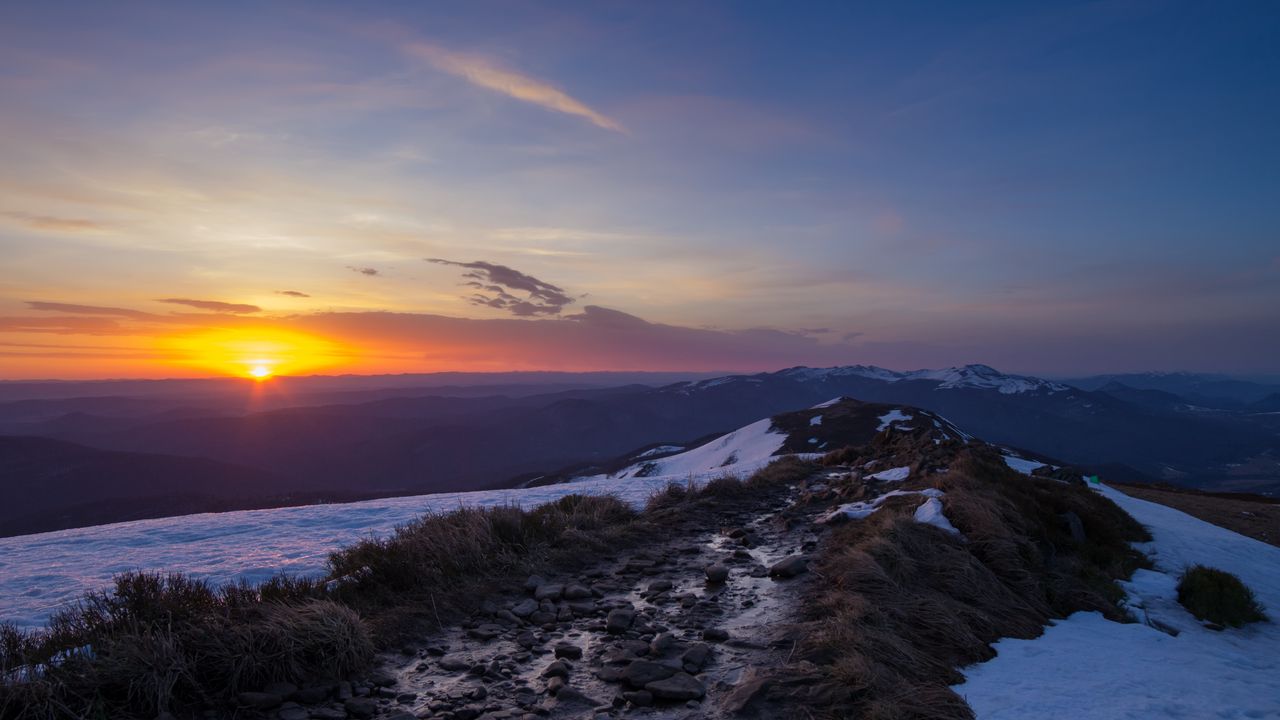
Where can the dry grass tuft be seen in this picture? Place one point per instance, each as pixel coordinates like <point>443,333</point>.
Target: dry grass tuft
<point>161,642</point>
<point>1218,597</point>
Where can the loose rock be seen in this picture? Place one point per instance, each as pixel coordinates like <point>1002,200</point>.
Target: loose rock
<point>642,672</point>
<point>361,707</point>
<point>619,621</point>
<point>789,567</point>
<point>259,700</point>
<point>717,573</point>
<point>680,686</point>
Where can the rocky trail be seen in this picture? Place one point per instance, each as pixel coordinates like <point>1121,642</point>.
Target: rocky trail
<point>703,622</point>
<point>670,630</point>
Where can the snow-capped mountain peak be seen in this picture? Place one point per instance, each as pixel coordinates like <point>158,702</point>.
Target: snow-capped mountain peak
<point>966,376</point>
<point>986,377</point>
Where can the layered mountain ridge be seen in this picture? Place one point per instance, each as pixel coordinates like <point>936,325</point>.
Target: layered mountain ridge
<point>422,439</point>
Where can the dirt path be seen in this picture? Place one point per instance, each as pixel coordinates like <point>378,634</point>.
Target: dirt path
<point>1257,519</point>
<point>649,633</point>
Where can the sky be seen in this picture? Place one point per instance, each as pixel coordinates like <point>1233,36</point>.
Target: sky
<point>193,189</point>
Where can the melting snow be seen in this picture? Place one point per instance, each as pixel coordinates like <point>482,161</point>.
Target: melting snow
<point>1022,465</point>
<point>860,510</point>
<point>930,513</point>
<point>1087,666</point>
<point>892,474</point>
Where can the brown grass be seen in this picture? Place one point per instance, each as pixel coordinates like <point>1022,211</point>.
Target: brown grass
<point>161,642</point>
<point>901,605</point>
<point>428,572</point>
<point>1253,516</point>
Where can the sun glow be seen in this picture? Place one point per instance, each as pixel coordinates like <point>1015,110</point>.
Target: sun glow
<point>257,353</point>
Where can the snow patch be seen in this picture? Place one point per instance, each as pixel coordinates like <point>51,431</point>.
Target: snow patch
<point>815,420</point>
<point>930,513</point>
<point>753,445</point>
<point>897,474</point>
<point>892,417</point>
<point>860,510</point>
<point>1022,465</point>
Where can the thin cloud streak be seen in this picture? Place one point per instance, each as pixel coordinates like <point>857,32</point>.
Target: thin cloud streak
<point>88,309</point>
<point>53,223</point>
<point>213,305</point>
<point>482,73</point>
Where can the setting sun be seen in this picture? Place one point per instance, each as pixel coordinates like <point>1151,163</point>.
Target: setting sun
<point>259,353</point>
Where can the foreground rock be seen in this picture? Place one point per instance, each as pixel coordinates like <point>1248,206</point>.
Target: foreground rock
<point>680,686</point>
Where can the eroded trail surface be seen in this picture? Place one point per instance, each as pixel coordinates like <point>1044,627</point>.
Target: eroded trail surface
<point>670,630</point>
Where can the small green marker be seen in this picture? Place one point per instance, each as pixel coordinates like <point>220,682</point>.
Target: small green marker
<point>1093,480</point>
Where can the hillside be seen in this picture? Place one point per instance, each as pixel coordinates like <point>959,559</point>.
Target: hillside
<point>49,484</point>
<point>752,582</point>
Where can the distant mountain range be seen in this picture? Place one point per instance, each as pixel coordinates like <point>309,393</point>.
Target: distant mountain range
<point>392,439</point>
<point>1212,391</point>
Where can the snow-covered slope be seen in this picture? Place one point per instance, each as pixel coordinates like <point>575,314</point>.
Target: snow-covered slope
<point>807,433</point>
<point>1088,667</point>
<point>40,573</point>
<point>744,450</point>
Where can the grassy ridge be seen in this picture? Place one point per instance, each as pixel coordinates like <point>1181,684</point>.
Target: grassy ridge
<point>901,604</point>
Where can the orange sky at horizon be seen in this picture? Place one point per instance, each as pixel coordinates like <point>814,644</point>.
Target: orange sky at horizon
<point>132,345</point>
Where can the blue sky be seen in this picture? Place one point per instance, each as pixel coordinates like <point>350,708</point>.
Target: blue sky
<point>1044,187</point>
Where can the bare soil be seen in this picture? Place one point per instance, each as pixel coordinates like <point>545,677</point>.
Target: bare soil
<point>1249,515</point>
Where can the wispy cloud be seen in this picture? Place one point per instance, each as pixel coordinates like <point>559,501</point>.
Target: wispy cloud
<point>63,325</point>
<point>493,282</point>
<point>363,270</point>
<point>483,73</point>
<point>293,293</point>
<point>213,305</point>
<point>87,309</point>
<point>50,222</point>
